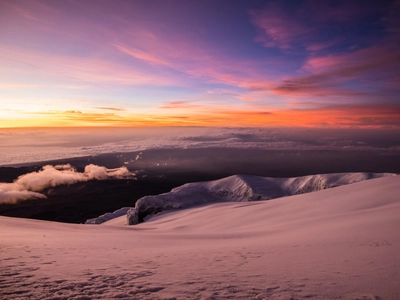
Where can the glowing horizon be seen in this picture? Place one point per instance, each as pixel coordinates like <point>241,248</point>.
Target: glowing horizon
<point>176,63</point>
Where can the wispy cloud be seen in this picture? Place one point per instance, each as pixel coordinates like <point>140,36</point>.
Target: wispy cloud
<point>244,98</point>
<point>196,59</point>
<point>278,28</point>
<point>111,108</point>
<point>144,56</point>
<point>7,86</point>
<point>179,104</point>
<point>93,72</point>
<point>20,11</point>
<point>306,26</point>
<point>333,75</point>
<point>319,46</point>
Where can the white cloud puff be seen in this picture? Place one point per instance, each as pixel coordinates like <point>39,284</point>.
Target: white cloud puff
<point>29,186</point>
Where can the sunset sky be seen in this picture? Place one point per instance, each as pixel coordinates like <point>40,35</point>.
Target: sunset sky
<point>200,63</point>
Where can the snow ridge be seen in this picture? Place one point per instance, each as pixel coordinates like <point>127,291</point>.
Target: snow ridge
<point>236,188</point>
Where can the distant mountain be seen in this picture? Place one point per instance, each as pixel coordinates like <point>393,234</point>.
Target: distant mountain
<point>237,188</point>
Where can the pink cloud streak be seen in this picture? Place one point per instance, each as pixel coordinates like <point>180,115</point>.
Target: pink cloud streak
<point>198,61</point>
<point>277,28</point>
<point>92,71</point>
<point>324,75</point>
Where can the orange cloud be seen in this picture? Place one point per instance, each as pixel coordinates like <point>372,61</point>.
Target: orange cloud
<point>111,108</point>
<point>246,98</point>
<point>323,116</point>
<point>180,104</point>
<point>344,116</point>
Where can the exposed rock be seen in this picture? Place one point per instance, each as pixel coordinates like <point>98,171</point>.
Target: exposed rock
<point>132,216</point>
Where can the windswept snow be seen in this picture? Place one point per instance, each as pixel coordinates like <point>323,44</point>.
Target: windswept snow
<point>340,243</point>
<point>238,188</point>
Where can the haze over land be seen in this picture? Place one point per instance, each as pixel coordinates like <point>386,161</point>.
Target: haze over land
<point>25,145</point>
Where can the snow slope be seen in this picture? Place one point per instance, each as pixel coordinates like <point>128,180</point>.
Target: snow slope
<point>340,243</point>
<point>237,188</point>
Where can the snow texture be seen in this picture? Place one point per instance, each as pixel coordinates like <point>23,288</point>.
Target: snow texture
<point>340,243</point>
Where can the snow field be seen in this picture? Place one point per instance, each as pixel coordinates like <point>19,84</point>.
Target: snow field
<point>340,243</point>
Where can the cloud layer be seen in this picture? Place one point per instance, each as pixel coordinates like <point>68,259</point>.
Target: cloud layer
<point>20,146</point>
<point>30,186</point>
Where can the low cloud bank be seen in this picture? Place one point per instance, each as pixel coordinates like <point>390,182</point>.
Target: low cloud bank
<point>29,186</point>
<point>46,145</point>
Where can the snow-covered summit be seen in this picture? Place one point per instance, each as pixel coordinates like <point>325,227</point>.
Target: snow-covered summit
<point>236,188</point>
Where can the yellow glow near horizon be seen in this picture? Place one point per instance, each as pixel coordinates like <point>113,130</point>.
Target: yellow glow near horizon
<point>353,117</point>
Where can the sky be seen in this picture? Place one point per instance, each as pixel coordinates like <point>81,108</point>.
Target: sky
<point>200,63</point>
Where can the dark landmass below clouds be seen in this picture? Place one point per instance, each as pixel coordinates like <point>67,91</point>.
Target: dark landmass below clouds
<point>159,170</point>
